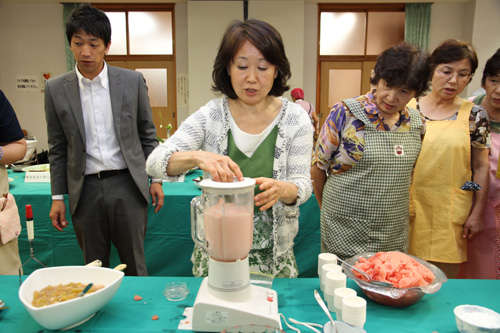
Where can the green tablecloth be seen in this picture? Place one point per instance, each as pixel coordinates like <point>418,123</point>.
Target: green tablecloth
<point>433,313</point>
<point>168,244</point>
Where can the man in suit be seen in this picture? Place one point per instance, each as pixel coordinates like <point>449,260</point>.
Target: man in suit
<point>100,132</point>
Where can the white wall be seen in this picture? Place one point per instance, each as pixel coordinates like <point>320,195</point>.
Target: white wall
<point>310,52</point>
<point>289,21</point>
<point>207,21</point>
<point>485,35</point>
<point>447,21</point>
<point>32,42</point>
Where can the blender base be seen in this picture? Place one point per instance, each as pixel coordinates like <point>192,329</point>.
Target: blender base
<point>212,314</point>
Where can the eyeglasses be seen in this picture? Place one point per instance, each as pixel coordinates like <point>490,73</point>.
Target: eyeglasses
<point>448,74</point>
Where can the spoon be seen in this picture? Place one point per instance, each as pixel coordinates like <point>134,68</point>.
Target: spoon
<point>85,290</point>
<point>372,281</point>
<point>120,267</point>
<point>323,306</point>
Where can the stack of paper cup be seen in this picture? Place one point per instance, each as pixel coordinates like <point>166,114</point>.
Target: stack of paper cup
<point>325,258</point>
<point>333,280</point>
<point>354,311</point>
<point>324,270</point>
<point>338,295</point>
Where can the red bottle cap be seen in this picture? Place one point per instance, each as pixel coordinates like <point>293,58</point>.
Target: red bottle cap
<point>29,212</point>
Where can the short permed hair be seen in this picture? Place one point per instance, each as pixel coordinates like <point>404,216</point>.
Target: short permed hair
<point>452,50</point>
<point>404,65</point>
<point>492,67</point>
<point>266,39</point>
<point>91,20</point>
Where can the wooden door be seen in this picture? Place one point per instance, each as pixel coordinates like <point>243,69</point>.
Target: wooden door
<point>340,80</point>
<point>162,91</point>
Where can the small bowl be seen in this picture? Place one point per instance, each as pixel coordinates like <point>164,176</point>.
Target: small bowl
<point>75,311</point>
<point>393,296</point>
<point>476,319</point>
<point>176,291</point>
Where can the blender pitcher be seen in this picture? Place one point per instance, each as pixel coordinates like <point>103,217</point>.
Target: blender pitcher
<point>226,214</point>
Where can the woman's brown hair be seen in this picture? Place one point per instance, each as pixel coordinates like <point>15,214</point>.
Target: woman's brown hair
<point>266,39</point>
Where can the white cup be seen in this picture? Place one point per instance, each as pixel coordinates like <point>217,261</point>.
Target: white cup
<point>329,302</point>
<point>325,269</point>
<point>334,280</point>
<point>325,258</point>
<point>338,295</point>
<point>354,311</point>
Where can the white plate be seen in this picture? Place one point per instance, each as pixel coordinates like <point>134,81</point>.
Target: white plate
<point>39,167</point>
<point>11,180</point>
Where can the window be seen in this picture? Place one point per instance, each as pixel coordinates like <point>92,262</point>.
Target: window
<point>350,38</point>
<point>140,31</point>
<point>359,30</point>
<point>142,39</point>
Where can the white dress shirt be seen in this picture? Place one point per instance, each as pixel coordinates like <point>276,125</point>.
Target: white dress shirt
<point>102,147</point>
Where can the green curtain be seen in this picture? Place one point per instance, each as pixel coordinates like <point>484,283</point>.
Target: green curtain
<point>417,24</point>
<point>70,59</point>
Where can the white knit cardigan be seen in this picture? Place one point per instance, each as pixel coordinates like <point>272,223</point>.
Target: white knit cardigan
<point>207,130</point>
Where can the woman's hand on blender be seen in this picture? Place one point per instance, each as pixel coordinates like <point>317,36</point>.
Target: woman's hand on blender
<point>222,168</point>
<point>274,190</point>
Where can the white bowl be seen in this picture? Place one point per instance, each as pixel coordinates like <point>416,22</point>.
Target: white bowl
<point>475,319</point>
<point>76,311</point>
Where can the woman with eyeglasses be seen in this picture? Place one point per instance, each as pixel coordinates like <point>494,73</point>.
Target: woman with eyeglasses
<point>447,206</point>
<point>483,252</point>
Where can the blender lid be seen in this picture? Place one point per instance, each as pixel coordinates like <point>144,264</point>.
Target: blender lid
<point>235,184</point>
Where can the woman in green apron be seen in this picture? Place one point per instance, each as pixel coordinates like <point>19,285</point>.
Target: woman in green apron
<point>12,149</point>
<point>364,157</point>
<point>249,132</point>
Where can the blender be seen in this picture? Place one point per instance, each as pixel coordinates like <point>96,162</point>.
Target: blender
<point>222,223</point>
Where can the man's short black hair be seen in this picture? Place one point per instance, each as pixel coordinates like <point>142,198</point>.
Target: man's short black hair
<point>91,20</point>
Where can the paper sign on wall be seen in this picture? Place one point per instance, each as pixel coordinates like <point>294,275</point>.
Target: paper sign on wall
<point>27,82</point>
<point>182,90</point>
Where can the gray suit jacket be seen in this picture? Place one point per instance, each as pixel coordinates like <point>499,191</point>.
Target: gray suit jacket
<point>133,122</point>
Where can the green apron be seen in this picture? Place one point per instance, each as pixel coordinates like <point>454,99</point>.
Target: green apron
<point>260,164</point>
<point>367,207</point>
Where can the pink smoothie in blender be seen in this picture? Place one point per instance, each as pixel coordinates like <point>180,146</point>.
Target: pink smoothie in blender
<point>228,231</point>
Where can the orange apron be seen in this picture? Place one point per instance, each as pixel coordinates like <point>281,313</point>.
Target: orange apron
<point>438,207</point>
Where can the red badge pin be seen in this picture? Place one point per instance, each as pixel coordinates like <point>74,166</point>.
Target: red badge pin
<point>399,150</point>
